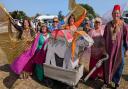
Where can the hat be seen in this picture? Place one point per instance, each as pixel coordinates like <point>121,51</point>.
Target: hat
<point>86,18</point>
<point>43,25</point>
<point>116,7</point>
<point>97,19</point>
<point>55,19</point>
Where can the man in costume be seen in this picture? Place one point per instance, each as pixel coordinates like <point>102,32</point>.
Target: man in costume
<point>56,24</point>
<point>116,42</point>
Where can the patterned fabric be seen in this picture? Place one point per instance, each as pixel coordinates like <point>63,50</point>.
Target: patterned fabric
<point>27,35</point>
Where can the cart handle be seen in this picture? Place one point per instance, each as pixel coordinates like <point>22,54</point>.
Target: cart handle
<point>98,64</point>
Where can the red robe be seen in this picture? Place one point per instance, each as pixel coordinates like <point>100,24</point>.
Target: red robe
<point>113,46</point>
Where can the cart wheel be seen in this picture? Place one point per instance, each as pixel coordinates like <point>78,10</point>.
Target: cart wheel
<point>49,83</point>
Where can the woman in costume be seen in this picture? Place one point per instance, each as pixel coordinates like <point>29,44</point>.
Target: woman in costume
<point>60,24</point>
<point>34,57</point>
<point>116,42</point>
<point>97,48</point>
<point>87,25</point>
<point>73,24</point>
<point>26,30</point>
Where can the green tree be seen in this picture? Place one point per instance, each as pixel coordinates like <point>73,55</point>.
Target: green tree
<point>18,14</point>
<point>90,11</point>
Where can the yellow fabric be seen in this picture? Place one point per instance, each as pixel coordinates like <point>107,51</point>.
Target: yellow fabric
<point>3,15</point>
<point>80,20</point>
<point>79,10</point>
<point>9,44</point>
<point>72,4</point>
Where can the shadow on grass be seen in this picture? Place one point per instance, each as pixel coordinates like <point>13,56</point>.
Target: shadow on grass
<point>91,83</point>
<point>125,77</point>
<point>50,83</point>
<point>95,84</point>
<point>9,80</point>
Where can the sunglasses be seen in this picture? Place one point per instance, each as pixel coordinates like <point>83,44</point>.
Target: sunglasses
<point>55,21</point>
<point>97,22</point>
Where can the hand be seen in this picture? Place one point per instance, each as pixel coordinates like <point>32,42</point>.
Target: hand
<point>126,53</point>
<point>85,11</point>
<point>99,63</point>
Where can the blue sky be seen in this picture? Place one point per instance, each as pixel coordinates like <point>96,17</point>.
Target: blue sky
<point>31,7</point>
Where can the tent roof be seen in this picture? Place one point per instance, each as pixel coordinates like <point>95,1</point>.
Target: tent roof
<point>46,17</point>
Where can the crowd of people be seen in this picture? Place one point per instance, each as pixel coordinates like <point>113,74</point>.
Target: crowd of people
<point>111,38</point>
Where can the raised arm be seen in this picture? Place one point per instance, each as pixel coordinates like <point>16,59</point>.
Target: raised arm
<point>68,15</point>
<point>77,23</point>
